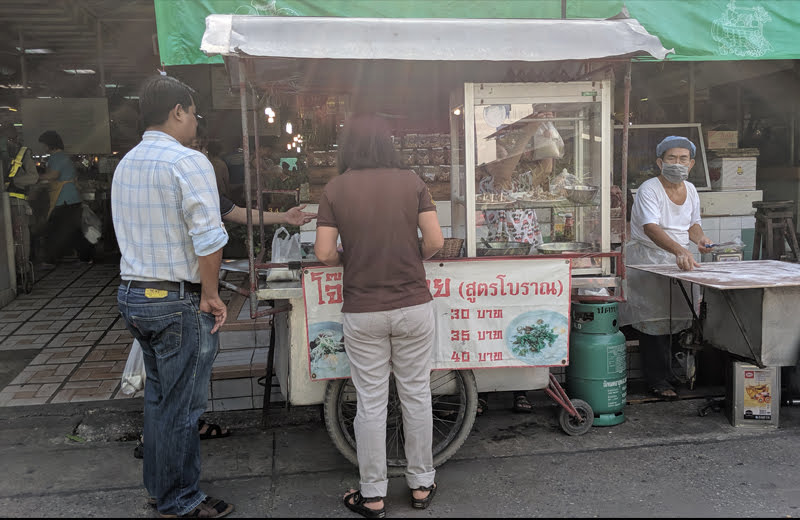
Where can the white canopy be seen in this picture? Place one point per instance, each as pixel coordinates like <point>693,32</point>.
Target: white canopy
<point>428,39</point>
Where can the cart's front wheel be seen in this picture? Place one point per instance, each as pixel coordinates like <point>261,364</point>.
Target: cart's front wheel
<point>454,396</point>
<point>572,425</point>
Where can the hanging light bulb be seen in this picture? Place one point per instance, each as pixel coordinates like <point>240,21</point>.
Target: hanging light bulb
<point>298,149</point>
<point>457,112</point>
<point>270,120</point>
<point>289,146</point>
<point>288,127</point>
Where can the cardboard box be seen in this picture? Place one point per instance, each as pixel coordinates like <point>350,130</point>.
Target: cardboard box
<point>716,139</point>
<point>732,173</point>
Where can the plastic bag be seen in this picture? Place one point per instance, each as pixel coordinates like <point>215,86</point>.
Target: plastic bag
<point>91,226</point>
<point>547,142</point>
<point>133,377</point>
<point>734,246</point>
<point>286,249</point>
<point>563,179</point>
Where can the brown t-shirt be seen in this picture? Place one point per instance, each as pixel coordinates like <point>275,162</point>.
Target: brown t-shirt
<point>376,213</point>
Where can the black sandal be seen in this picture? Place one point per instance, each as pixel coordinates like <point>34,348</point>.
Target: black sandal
<point>522,405</point>
<point>138,450</point>
<point>482,407</point>
<point>213,431</point>
<point>357,505</point>
<point>422,503</point>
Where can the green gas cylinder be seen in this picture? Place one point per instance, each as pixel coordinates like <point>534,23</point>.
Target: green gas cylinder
<point>597,371</point>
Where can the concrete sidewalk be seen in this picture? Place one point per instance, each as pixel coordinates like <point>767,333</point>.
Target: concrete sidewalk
<point>75,460</point>
<point>67,439</point>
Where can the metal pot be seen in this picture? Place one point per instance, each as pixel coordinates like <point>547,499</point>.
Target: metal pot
<point>558,248</point>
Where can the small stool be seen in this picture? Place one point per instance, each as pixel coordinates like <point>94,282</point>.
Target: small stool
<point>774,225</point>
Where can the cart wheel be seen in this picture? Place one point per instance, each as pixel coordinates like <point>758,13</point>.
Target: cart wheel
<point>454,400</point>
<point>571,425</point>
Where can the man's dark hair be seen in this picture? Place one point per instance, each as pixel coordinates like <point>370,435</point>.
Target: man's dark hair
<point>366,142</point>
<point>51,140</point>
<point>159,95</point>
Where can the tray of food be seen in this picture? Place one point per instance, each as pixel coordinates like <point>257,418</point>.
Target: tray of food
<point>492,201</point>
<point>536,199</point>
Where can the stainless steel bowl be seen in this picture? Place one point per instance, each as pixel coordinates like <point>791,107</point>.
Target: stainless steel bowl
<point>558,248</point>
<point>581,194</point>
<point>502,248</point>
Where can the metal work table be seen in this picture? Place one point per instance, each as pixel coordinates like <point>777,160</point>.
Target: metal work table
<point>750,307</point>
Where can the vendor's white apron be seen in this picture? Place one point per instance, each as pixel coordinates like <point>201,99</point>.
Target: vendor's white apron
<point>648,295</point>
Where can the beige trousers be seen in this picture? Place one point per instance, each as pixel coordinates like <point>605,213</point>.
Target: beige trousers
<point>377,343</point>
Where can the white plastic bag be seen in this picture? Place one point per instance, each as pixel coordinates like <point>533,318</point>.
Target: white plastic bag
<point>286,249</point>
<point>133,377</point>
<point>547,143</point>
<point>91,226</point>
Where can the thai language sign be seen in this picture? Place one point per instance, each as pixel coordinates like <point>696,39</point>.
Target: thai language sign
<point>489,313</point>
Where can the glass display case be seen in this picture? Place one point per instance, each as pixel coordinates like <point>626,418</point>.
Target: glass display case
<point>531,170</point>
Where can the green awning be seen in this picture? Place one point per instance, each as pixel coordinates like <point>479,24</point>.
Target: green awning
<point>698,30</point>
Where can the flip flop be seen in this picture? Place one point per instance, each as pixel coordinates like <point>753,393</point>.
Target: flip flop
<point>664,391</point>
<point>213,431</point>
<point>357,505</point>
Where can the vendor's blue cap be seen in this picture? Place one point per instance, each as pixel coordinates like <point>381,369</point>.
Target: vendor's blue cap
<point>674,141</point>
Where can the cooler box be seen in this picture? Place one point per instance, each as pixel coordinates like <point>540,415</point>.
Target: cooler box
<point>733,169</point>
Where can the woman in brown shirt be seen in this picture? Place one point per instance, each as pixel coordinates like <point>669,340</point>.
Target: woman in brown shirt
<point>388,323</point>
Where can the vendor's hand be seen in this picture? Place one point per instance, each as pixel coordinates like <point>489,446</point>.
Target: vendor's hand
<point>297,217</point>
<point>703,243</point>
<point>686,261</point>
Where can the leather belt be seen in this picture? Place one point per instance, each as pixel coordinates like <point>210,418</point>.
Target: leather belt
<point>165,286</point>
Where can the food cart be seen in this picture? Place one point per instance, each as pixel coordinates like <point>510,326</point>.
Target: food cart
<point>503,315</point>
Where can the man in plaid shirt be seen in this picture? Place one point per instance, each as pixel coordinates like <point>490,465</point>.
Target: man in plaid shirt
<point>166,214</point>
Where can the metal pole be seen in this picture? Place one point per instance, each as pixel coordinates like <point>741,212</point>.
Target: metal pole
<point>624,173</point>
<point>247,184</point>
<point>22,66</point>
<point>100,65</point>
<point>256,115</point>
<point>563,9</point>
<point>691,91</point>
<point>739,114</point>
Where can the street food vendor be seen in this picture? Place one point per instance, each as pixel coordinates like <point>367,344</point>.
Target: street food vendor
<point>524,166</point>
<point>664,218</point>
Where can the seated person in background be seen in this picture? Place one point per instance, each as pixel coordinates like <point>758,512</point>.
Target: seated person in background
<point>214,152</point>
<point>518,169</point>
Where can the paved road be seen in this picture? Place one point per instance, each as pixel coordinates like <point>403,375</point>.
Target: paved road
<point>664,461</point>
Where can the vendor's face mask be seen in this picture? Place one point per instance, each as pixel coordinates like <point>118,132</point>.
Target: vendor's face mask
<point>675,173</point>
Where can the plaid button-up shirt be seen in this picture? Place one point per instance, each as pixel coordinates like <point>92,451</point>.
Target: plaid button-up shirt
<point>165,208</point>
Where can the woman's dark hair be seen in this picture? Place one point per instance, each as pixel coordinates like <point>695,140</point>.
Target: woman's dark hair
<point>366,142</point>
<point>51,140</point>
<point>214,148</point>
<point>159,95</point>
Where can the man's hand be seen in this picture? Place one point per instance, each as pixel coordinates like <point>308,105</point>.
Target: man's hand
<point>686,261</point>
<point>703,243</point>
<point>297,217</point>
<point>214,305</point>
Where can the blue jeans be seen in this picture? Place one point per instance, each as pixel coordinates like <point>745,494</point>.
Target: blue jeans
<point>179,351</point>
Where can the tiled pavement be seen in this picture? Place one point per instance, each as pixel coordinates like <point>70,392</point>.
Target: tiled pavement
<point>71,319</point>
